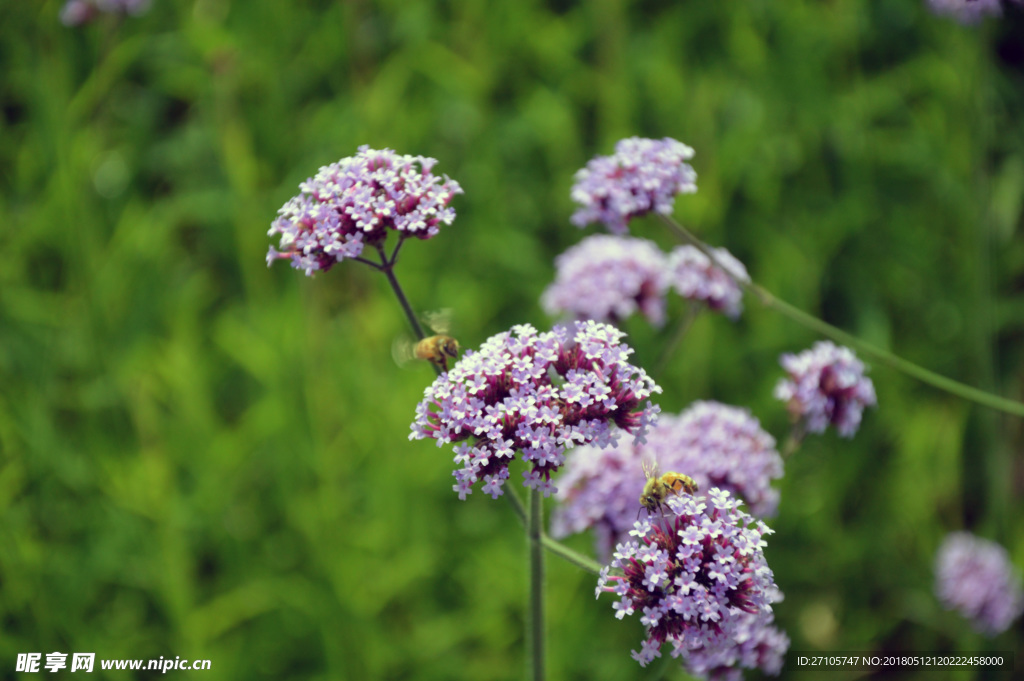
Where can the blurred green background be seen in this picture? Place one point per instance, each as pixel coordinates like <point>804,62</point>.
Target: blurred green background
<point>204,457</point>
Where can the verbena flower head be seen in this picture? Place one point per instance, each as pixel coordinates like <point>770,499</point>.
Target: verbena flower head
<point>694,576</point>
<point>607,278</point>
<point>538,394</point>
<point>975,577</point>
<point>826,385</point>
<point>715,444</point>
<point>695,277</point>
<point>643,175</point>
<point>967,11</point>
<point>356,202</point>
<point>77,12</point>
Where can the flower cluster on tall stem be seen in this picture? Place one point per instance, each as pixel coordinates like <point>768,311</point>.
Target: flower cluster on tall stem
<point>607,278</point>
<point>538,394</point>
<point>696,574</point>
<point>357,202</point>
<point>826,386</point>
<point>642,176</point>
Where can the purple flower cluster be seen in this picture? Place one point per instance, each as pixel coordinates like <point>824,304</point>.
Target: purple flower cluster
<point>538,394</point>
<point>78,12</point>
<point>643,175</point>
<point>826,385</point>
<point>975,577</point>
<point>713,443</point>
<point>608,278</point>
<point>354,202</point>
<point>967,11</point>
<point>697,575</point>
<point>695,277</point>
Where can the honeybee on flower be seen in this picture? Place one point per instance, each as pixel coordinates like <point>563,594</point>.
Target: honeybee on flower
<point>659,487</point>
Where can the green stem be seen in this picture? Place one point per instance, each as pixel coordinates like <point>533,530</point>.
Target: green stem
<point>394,254</point>
<point>535,625</point>
<point>553,545</point>
<point>879,355</point>
<point>682,326</point>
<point>565,553</point>
<point>371,263</point>
<point>387,267</point>
<point>517,505</point>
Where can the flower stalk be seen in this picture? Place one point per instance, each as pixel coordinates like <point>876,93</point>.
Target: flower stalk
<point>553,545</point>
<point>535,622</point>
<point>388,268</point>
<point>770,301</point>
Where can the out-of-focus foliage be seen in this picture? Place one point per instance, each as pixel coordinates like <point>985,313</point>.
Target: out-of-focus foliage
<point>200,456</point>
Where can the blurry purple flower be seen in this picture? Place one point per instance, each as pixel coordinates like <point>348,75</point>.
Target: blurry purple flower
<point>975,577</point>
<point>826,385</point>
<point>694,277</point>
<point>643,175</point>
<point>355,202</point>
<point>757,644</point>
<point>538,394</point>
<point>967,11</point>
<point>600,489</point>
<point>608,278</point>
<point>695,575</point>
<point>715,444</point>
<point>78,12</point>
<point>722,446</point>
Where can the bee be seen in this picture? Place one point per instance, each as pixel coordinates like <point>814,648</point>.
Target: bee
<point>658,487</point>
<point>436,349</point>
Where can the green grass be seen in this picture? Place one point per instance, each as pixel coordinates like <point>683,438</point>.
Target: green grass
<point>204,457</point>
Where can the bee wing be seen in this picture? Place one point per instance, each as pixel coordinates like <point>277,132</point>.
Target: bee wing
<point>402,351</point>
<point>650,468</point>
<point>439,320</point>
